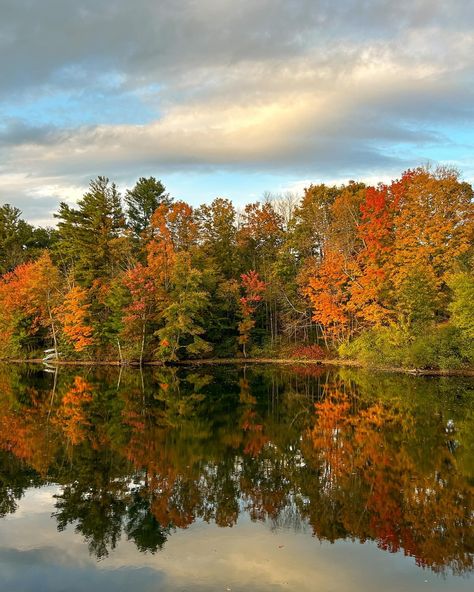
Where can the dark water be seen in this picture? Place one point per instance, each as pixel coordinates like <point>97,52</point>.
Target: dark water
<point>230,478</point>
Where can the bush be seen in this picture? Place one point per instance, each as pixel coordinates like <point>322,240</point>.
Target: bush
<point>461,308</point>
<point>309,352</point>
<point>375,347</point>
<point>443,347</point>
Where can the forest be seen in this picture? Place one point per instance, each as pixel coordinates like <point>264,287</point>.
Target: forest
<point>380,274</point>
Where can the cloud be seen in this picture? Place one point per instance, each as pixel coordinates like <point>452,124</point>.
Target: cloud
<point>16,132</point>
<point>302,88</point>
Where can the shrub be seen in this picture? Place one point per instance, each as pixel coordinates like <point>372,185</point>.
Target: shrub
<point>442,347</point>
<point>376,347</point>
<point>309,352</point>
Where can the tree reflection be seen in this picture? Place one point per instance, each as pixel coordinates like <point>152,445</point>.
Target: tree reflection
<point>142,527</point>
<point>349,455</point>
<point>368,471</point>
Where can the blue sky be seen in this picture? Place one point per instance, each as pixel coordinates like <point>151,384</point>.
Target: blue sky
<point>219,98</point>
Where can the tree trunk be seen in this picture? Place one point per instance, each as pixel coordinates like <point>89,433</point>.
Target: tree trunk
<point>53,328</point>
<point>143,343</point>
<point>120,351</point>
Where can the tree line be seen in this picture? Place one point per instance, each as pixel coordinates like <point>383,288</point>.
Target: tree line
<point>383,274</point>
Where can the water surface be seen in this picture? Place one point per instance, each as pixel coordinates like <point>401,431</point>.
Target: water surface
<point>231,478</point>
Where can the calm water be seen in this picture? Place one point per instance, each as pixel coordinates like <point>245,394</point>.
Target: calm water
<point>252,479</point>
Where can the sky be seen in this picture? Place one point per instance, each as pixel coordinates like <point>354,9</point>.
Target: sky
<point>229,98</point>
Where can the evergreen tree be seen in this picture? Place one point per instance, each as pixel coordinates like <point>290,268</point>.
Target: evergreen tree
<point>19,241</point>
<point>90,236</point>
<point>142,202</point>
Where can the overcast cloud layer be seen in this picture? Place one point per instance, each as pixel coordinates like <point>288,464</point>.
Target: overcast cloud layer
<point>218,96</point>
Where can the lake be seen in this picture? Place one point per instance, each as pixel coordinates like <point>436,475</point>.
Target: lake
<point>235,478</point>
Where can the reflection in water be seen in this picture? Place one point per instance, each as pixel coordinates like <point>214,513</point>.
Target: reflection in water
<point>349,455</point>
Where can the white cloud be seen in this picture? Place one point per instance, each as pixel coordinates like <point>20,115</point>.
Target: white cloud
<point>312,89</point>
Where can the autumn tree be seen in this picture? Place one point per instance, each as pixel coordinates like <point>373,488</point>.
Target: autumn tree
<point>74,316</point>
<point>345,217</point>
<point>394,271</point>
<point>370,265</point>
<point>253,288</point>
<point>312,219</point>
<point>259,240</point>
<point>173,230</point>
<point>182,318</point>
<point>218,234</point>
<point>328,293</point>
<point>434,224</point>
<point>347,285</point>
<point>29,296</point>
<point>259,235</point>
<point>142,308</point>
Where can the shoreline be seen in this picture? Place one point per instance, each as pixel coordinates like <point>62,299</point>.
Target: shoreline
<point>467,372</point>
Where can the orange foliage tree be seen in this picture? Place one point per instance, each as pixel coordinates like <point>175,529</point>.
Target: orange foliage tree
<point>173,230</point>
<point>408,235</point>
<point>29,296</point>
<point>328,294</point>
<point>253,287</point>
<point>141,310</point>
<point>73,313</point>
